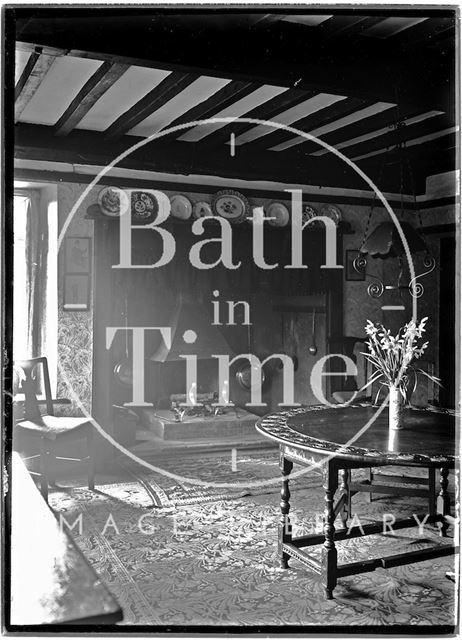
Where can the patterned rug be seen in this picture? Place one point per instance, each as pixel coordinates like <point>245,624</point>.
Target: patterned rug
<point>198,480</point>
<point>214,563</point>
<point>219,477</point>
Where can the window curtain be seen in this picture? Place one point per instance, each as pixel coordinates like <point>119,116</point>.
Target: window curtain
<point>36,254</point>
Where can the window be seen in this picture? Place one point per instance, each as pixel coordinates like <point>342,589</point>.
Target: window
<point>20,313</point>
<point>35,290</point>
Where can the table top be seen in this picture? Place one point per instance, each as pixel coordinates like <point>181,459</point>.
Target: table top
<point>51,581</point>
<point>428,436</point>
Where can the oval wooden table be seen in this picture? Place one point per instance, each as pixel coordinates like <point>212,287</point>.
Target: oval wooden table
<point>344,438</point>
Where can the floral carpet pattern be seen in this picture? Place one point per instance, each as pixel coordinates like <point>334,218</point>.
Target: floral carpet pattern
<point>214,563</point>
<point>248,475</point>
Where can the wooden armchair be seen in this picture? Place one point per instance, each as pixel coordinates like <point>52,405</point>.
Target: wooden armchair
<point>47,429</point>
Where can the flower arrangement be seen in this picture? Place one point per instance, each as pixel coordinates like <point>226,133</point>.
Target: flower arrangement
<point>393,356</point>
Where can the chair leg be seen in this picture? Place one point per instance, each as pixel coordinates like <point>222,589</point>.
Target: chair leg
<point>91,460</point>
<point>44,468</point>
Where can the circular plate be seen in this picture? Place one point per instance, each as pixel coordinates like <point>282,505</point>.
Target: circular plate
<point>109,201</point>
<point>231,205</point>
<point>308,213</point>
<point>181,207</point>
<point>144,207</point>
<point>202,210</point>
<point>332,212</point>
<point>279,212</point>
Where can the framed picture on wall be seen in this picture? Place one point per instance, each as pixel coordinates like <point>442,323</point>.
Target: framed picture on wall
<point>76,295</point>
<point>351,274</point>
<point>77,255</point>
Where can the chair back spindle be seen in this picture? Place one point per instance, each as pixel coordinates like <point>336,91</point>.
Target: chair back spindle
<point>28,386</point>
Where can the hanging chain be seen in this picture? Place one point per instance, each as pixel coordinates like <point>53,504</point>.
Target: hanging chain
<point>399,127</point>
<point>126,324</point>
<point>368,222</point>
<point>416,208</point>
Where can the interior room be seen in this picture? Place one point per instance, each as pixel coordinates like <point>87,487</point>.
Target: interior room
<point>231,319</point>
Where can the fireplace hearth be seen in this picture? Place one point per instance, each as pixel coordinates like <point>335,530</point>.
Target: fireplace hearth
<point>204,406</point>
<point>229,422</point>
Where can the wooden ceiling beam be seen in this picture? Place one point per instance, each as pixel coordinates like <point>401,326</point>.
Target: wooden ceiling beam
<point>31,78</point>
<point>34,142</point>
<point>228,95</point>
<point>356,27</point>
<point>339,24</point>
<point>102,80</point>
<point>265,19</point>
<point>407,133</point>
<point>367,131</point>
<point>29,67</point>
<point>160,95</point>
<point>420,162</point>
<point>428,32</point>
<point>348,73</point>
<point>313,121</point>
<point>267,111</point>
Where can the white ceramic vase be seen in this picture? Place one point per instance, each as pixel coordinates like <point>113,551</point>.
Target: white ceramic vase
<point>395,409</point>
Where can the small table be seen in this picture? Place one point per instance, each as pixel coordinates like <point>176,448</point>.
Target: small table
<point>346,438</point>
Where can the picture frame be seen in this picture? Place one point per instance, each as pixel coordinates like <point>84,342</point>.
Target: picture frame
<point>77,255</point>
<point>76,293</point>
<point>351,275</point>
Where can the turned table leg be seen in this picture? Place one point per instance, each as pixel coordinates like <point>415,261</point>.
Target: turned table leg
<point>329,552</point>
<point>432,491</point>
<point>443,503</point>
<point>370,477</point>
<point>285,528</point>
<point>345,513</point>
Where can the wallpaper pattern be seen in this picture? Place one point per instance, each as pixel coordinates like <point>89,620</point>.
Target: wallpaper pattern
<point>75,328</point>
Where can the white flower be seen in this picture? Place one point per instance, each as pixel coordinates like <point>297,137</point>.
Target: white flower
<point>392,355</point>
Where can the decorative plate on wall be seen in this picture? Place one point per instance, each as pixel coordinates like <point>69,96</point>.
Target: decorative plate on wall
<point>279,212</point>
<point>231,205</point>
<point>109,201</point>
<point>202,210</point>
<point>144,207</point>
<point>308,213</point>
<point>181,207</point>
<point>332,212</point>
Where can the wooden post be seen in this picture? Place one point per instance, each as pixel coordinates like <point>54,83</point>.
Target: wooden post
<point>329,552</point>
